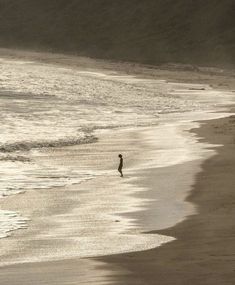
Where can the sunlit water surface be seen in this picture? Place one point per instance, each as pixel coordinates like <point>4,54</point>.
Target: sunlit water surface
<point>46,106</point>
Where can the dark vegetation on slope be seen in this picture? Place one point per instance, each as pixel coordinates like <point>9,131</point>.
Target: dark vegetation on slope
<point>149,31</point>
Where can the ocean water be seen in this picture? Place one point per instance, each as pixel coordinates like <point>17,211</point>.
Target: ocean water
<point>50,106</point>
<point>46,106</point>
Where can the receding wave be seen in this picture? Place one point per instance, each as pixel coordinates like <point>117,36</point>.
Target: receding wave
<point>10,221</point>
<point>28,145</point>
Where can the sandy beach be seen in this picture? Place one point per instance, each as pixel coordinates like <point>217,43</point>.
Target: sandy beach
<point>204,250</point>
<point>169,221</point>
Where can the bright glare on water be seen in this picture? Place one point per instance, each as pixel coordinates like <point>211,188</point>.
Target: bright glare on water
<point>45,106</point>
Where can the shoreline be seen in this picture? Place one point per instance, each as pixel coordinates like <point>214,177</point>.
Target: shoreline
<point>134,196</point>
<point>133,267</point>
<point>204,249</point>
<point>197,256</point>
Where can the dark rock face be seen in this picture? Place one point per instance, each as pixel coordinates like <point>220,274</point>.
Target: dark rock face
<point>150,31</point>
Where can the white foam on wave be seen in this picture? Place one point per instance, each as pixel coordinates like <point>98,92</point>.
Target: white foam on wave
<point>41,101</point>
<point>28,145</point>
<point>10,221</point>
<point>20,176</point>
<point>97,223</point>
<point>44,103</point>
<point>96,227</point>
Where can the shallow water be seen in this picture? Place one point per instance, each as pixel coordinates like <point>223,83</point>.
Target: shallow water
<point>44,106</point>
<point>51,106</point>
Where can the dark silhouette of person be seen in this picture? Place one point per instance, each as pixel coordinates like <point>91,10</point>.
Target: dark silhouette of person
<point>120,165</point>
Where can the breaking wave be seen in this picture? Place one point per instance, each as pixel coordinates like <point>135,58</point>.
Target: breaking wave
<point>14,158</point>
<point>28,145</point>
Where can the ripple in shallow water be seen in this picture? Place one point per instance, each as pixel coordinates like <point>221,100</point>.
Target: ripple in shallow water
<point>10,221</point>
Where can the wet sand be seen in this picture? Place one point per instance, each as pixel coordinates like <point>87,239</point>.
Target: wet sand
<point>204,252</point>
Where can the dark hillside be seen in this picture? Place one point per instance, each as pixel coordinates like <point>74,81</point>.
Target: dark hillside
<point>149,31</point>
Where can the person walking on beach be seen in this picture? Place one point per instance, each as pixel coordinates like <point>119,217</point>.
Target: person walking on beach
<point>120,165</point>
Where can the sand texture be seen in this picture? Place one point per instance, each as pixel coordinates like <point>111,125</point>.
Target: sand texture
<point>178,185</point>
<point>204,252</point>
